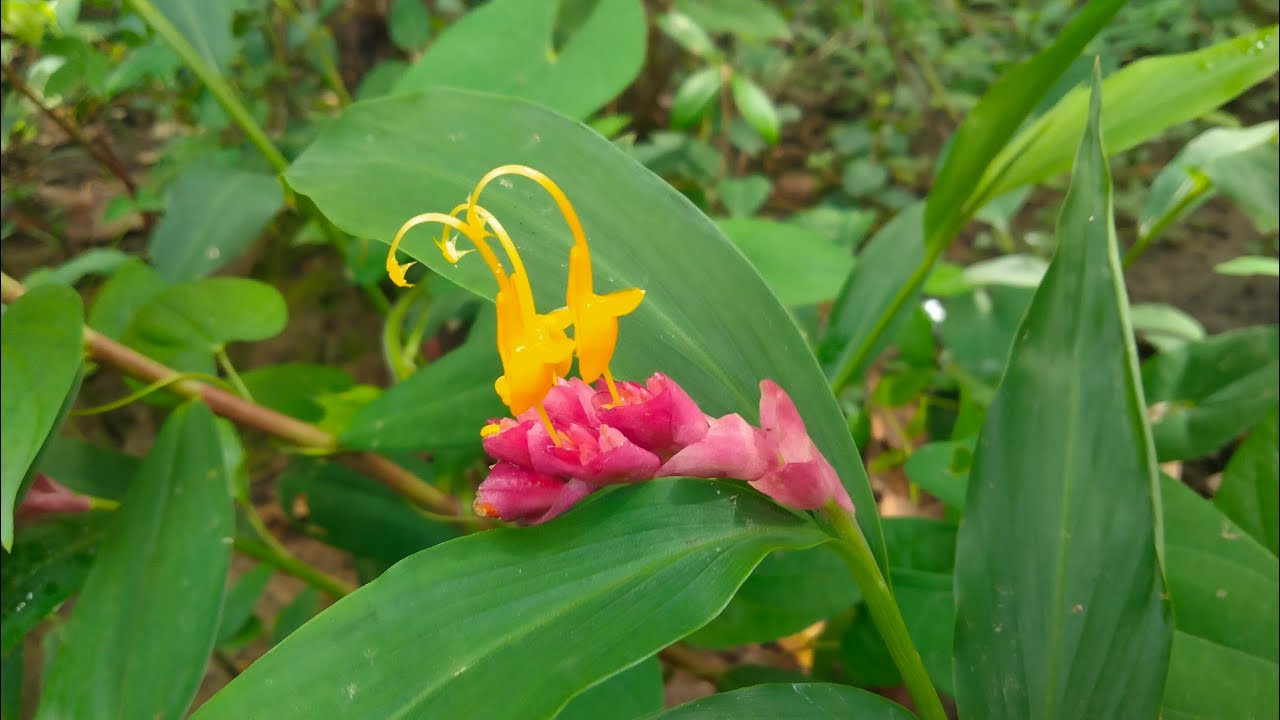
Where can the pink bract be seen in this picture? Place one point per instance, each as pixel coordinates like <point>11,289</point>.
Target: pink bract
<point>658,416</point>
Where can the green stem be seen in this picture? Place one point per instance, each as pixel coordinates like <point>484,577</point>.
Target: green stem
<point>224,362</point>
<point>1157,229</point>
<point>145,391</point>
<point>212,79</point>
<point>849,371</point>
<point>853,548</point>
<point>291,565</point>
<point>399,362</point>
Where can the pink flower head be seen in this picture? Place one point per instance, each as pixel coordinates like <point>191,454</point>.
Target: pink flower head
<point>570,401</point>
<point>516,493</point>
<point>800,477</point>
<point>731,448</point>
<point>47,495</point>
<point>508,440</point>
<point>599,457</point>
<point>658,416</point>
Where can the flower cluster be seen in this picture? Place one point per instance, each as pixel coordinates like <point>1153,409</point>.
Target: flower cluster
<point>568,438</point>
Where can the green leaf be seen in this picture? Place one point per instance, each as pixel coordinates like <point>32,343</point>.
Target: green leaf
<point>1059,597</point>
<point>303,607</point>
<point>381,79</point>
<point>688,34</point>
<point>979,327</point>
<point>132,287</point>
<point>295,388</point>
<point>942,469</point>
<point>11,671</point>
<point>88,469</point>
<point>40,350</point>
<point>643,565</point>
<point>1226,587</point>
<point>212,216</point>
<point>95,261</point>
<point>1249,265</point>
<point>986,130</point>
<point>409,25</point>
<point>1212,390</point>
<point>146,620</point>
<point>801,266</point>
<point>1250,495</point>
<point>1164,326</point>
<point>756,107</point>
<point>349,511</point>
<point>798,701</point>
<point>643,234</point>
<point>1142,100</point>
<point>505,46</point>
<point>1176,188</point>
<point>441,406</point>
<point>747,19</point>
<point>741,676</point>
<point>184,325</point>
<point>788,592</point>
<point>1251,179</point>
<point>743,196</point>
<point>693,97</point>
<point>241,598</point>
<point>48,563</point>
<point>863,176</point>
<point>206,25</point>
<point>631,694</point>
<point>882,268</point>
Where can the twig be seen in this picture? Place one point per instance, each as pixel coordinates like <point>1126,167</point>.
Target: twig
<point>699,663</point>
<point>109,352</point>
<point>100,151</point>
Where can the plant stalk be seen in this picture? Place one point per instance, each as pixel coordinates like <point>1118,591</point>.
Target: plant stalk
<point>213,80</point>
<point>852,547</point>
<point>243,412</point>
<point>290,565</point>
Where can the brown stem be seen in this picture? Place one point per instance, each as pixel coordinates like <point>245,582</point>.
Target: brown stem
<point>109,352</point>
<point>99,150</point>
<point>700,663</point>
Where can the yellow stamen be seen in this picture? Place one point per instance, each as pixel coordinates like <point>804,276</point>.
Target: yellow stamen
<point>490,429</point>
<point>613,389</point>
<point>551,429</point>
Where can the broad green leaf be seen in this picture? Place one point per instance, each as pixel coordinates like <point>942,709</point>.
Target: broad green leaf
<point>1016,270</point>
<point>294,388</point>
<point>1251,179</point>
<point>788,592</point>
<point>741,676</point>
<point>120,298</point>
<point>979,326</point>
<point>643,234</point>
<point>863,176</point>
<point>381,79</point>
<point>1250,495</point>
<point>743,196</point>
<point>942,469</point>
<point>1166,327</point>
<point>631,694</point>
<point>1059,592</point>
<point>1226,588</point>
<point>1249,265</point>
<point>89,469</point>
<point>11,671</point>
<point>1174,192</point>
<point>756,107</point>
<point>146,620</point>
<point>693,97</point>
<point>206,25</point>
<point>799,265</point>
<point>184,325</point>
<point>794,701</point>
<point>48,563</point>
<point>1206,393</point>
<point>241,598</point>
<point>986,130</point>
<point>349,511</point>
<point>882,268</point>
<point>96,261</point>
<point>441,406</point>
<point>212,216</point>
<point>302,608</point>
<point>1142,100</point>
<point>505,46</point>
<point>409,25</point>
<point>41,344</point>
<point>643,566</point>
<point>747,19</point>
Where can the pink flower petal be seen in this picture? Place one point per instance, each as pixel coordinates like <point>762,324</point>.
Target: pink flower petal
<point>511,442</point>
<point>803,479</point>
<point>47,495</point>
<point>599,457</point>
<point>568,402</point>
<point>572,493</point>
<point>514,493</point>
<point>661,418</point>
<point>731,448</point>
